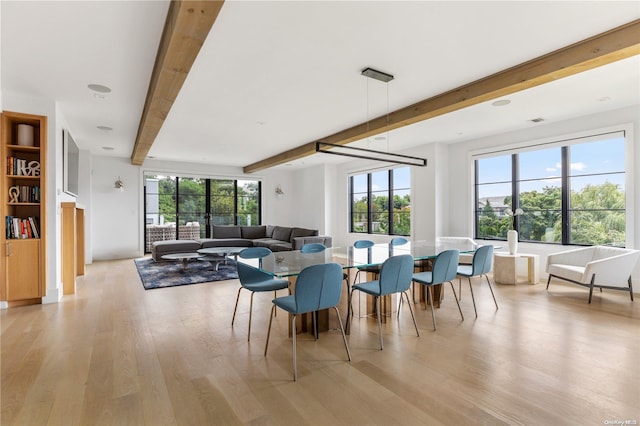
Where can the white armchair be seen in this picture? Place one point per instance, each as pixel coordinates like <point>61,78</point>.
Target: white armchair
<point>596,266</point>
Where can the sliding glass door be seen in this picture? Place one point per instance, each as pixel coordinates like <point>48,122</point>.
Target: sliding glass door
<point>186,207</point>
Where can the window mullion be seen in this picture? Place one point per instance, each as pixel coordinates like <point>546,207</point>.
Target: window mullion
<point>515,190</point>
<point>390,204</point>
<point>566,161</point>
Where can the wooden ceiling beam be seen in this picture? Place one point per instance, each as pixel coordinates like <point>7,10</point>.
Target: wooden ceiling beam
<point>185,30</point>
<point>614,45</point>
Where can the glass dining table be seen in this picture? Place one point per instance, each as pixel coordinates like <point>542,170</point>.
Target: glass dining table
<point>284,264</point>
<point>289,264</point>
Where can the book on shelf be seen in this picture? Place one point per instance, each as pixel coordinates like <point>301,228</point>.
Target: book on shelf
<point>25,194</point>
<point>21,228</point>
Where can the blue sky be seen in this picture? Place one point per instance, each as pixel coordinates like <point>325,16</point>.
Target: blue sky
<point>604,156</point>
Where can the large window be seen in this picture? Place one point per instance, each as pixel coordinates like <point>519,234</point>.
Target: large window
<point>184,207</point>
<point>571,193</point>
<point>381,202</point>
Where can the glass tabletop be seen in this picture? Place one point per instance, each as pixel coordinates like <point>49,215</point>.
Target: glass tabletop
<point>291,263</point>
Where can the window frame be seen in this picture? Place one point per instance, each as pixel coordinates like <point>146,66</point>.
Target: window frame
<point>370,192</point>
<point>565,177</point>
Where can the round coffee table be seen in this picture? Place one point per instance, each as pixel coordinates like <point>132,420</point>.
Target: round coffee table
<point>184,257</point>
<point>216,255</point>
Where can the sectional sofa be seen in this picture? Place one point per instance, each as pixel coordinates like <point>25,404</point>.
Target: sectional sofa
<point>274,237</point>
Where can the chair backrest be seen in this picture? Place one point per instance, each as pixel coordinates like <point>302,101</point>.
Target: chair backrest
<point>396,274</point>
<point>247,274</point>
<point>445,266</point>
<point>398,241</point>
<point>363,244</point>
<point>254,253</point>
<point>482,260</point>
<point>313,248</point>
<point>318,287</point>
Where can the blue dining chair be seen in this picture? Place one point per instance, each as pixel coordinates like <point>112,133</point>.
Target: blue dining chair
<point>317,287</point>
<point>255,280</point>
<point>319,248</point>
<point>480,265</point>
<point>375,269</point>
<point>313,248</point>
<point>444,270</point>
<point>395,277</point>
<point>398,241</point>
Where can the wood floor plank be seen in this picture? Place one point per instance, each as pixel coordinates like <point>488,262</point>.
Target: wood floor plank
<point>115,354</point>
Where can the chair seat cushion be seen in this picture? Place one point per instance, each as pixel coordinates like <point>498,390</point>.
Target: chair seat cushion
<point>267,285</point>
<point>571,272</point>
<point>370,287</point>
<point>425,278</point>
<point>465,270</point>
<point>288,303</point>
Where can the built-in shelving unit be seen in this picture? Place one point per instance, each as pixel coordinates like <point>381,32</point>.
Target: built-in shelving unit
<point>23,141</point>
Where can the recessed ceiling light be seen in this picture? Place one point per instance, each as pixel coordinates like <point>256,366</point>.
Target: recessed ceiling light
<point>108,148</point>
<point>150,157</point>
<point>537,120</point>
<point>105,128</point>
<point>603,99</point>
<point>501,102</point>
<point>380,138</point>
<point>99,88</point>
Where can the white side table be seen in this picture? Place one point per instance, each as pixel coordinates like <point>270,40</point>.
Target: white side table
<point>505,267</point>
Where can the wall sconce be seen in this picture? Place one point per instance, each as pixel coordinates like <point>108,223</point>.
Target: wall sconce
<point>119,186</point>
<point>279,191</point>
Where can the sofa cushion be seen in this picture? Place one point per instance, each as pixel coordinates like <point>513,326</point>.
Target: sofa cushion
<point>280,247</point>
<point>571,272</point>
<point>225,242</point>
<point>254,232</point>
<point>270,229</point>
<point>265,242</point>
<point>302,232</point>
<point>226,231</point>
<point>282,233</point>
<point>160,248</point>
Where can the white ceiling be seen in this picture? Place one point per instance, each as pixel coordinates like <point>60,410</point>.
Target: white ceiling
<point>274,75</point>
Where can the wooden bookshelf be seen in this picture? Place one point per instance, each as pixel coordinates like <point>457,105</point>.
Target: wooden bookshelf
<point>23,208</point>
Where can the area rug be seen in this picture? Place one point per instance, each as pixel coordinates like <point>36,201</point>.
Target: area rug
<point>168,274</point>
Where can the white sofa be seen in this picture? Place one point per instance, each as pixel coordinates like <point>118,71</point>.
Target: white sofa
<point>595,267</point>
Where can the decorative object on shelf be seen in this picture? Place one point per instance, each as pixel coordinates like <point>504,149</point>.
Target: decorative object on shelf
<point>25,135</point>
<point>119,185</point>
<point>14,193</point>
<point>512,234</point>
<point>33,168</point>
<point>279,191</point>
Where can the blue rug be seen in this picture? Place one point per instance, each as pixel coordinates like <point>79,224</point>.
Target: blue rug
<point>168,274</point>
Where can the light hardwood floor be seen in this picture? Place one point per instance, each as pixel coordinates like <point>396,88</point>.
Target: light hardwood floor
<point>115,354</point>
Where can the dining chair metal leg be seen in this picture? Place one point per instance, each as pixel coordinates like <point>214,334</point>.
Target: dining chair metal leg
<point>473,298</point>
<point>266,345</point>
<point>430,303</point>
<point>457,300</point>
<point>490,288</point>
<point>379,322</point>
<point>250,314</point>
<point>236,308</point>
<point>415,324</point>
<point>293,332</point>
<point>314,320</point>
<point>344,337</point>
